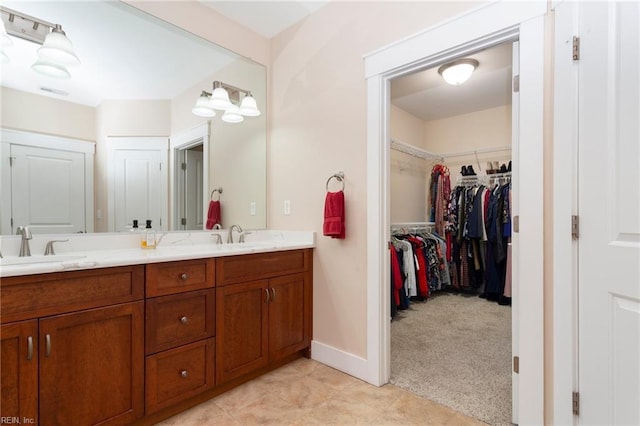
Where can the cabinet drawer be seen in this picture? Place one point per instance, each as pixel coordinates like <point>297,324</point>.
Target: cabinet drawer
<point>235,269</point>
<point>32,296</point>
<point>178,277</point>
<point>178,319</point>
<point>179,374</point>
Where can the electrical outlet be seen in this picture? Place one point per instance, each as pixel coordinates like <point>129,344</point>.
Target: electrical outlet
<point>252,208</point>
<point>287,207</point>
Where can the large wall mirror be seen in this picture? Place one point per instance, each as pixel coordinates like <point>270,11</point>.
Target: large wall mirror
<point>121,128</point>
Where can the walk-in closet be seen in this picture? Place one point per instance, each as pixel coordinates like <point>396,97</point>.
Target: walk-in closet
<point>450,238</point>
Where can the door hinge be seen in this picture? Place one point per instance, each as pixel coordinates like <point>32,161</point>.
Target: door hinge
<point>516,364</point>
<point>183,221</point>
<point>516,224</point>
<point>516,83</point>
<point>184,166</point>
<point>11,161</point>
<point>11,223</point>
<point>160,166</point>
<point>575,227</point>
<point>576,48</point>
<point>576,402</point>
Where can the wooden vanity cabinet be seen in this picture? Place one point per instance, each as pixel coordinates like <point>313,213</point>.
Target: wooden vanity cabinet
<point>86,349</point>
<point>179,332</point>
<point>265,318</point>
<point>19,370</point>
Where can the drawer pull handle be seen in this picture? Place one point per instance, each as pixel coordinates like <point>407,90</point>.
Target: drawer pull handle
<point>184,374</point>
<point>47,345</point>
<point>184,277</point>
<point>273,296</point>
<point>184,320</point>
<point>29,348</point>
<point>266,293</point>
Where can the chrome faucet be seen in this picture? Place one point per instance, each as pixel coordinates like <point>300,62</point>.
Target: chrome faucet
<point>218,238</point>
<point>24,243</point>
<point>230,237</point>
<point>243,236</point>
<point>217,226</point>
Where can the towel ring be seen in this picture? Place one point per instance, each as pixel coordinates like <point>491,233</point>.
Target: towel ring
<point>339,177</point>
<point>219,191</point>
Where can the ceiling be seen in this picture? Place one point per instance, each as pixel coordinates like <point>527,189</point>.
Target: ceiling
<point>266,18</point>
<point>124,54</point>
<point>425,94</point>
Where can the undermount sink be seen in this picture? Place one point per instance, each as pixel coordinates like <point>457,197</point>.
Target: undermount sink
<point>30,260</point>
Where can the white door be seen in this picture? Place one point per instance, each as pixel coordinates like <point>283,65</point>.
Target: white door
<point>138,189</point>
<point>47,190</point>
<point>193,189</point>
<point>609,213</point>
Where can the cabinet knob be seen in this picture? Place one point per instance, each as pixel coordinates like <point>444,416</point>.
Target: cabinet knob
<point>184,320</point>
<point>184,277</point>
<point>184,374</point>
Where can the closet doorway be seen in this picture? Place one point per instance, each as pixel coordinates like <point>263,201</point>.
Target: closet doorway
<point>450,187</point>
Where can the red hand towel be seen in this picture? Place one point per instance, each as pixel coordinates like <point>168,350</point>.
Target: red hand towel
<point>334,215</point>
<point>213,214</point>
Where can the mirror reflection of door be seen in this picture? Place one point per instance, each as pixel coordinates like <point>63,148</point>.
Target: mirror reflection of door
<point>47,190</point>
<point>190,189</point>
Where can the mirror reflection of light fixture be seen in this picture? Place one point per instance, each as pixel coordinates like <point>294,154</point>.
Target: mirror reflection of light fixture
<point>227,98</point>
<point>56,52</point>
<point>232,115</point>
<point>203,106</point>
<point>459,71</point>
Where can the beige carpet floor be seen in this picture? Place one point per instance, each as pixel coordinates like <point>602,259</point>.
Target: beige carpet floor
<point>456,350</point>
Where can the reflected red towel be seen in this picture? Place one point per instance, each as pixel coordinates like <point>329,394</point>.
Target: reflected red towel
<point>334,215</point>
<point>213,214</point>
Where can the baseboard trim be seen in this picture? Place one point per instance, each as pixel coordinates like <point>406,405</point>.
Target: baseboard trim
<point>340,360</point>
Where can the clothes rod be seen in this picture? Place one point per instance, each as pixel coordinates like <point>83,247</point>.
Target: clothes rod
<point>478,151</point>
<point>412,224</point>
<point>413,150</point>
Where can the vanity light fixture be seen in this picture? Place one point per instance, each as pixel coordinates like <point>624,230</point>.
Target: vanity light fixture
<point>56,52</point>
<point>459,71</point>
<point>226,98</point>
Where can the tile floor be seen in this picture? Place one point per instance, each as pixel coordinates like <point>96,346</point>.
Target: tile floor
<point>306,392</point>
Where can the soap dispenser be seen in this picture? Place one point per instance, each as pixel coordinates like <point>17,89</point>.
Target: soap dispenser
<point>134,228</point>
<point>148,238</point>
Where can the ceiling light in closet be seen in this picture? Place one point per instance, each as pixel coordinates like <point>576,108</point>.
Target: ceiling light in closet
<point>459,71</point>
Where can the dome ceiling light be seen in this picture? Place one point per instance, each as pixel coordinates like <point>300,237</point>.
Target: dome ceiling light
<point>459,71</point>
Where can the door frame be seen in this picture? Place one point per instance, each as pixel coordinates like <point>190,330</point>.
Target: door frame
<point>565,204</point>
<point>482,27</point>
<point>10,137</point>
<point>183,140</point>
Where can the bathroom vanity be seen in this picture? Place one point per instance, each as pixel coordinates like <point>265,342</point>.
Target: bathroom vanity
<point>140,342</point>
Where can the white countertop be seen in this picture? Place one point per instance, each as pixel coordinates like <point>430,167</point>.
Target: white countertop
<point>90,251</point>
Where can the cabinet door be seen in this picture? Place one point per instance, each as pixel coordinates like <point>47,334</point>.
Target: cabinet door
<point>288,315</point>
<point>241,329</point>
<point>92,366</point>
<point>19,370</point>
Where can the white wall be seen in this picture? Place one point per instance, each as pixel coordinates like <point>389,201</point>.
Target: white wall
<point>488,128</point>
<point>41,114</point>
<point>409,175</point>
<point>318,127</point>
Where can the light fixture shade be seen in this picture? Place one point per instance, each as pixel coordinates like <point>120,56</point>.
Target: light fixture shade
<point>57,48</point>
<point>457,72</point>
<point>203,107</point>
<point>5,40</point>
<point>220,99</point>
<point>51,70</point>
<point>232,115</point>
<point>249,106</point>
